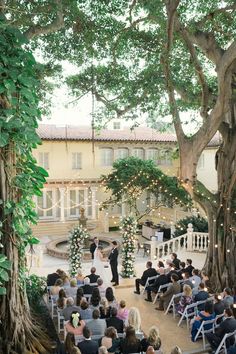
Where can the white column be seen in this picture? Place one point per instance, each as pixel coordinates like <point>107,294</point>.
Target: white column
<point>190,237</point>
<point>93,200</point>
<point>62,204</point>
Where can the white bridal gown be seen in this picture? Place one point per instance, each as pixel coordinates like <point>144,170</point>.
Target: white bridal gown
<point>99,265</point>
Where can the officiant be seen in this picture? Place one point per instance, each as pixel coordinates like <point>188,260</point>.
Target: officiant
<point>93,246</point>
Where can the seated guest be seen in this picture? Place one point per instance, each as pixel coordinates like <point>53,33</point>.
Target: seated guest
<point>93,277</point>
<point>134,319</point>
<point>130,344</point>
<point>226,326</point>
<point>153,339</point>
<point>195,278</point>
<point>201,295</point>
<point>185,300</point>
<point>110,297</point>
<point>161,280</point>
<point>111,340</point>
<point>189,268</point>
<point>56,287</point>
<point>75,325</point>
<point>234,293</point>
<point>175,260</point>
<point>71,291</point>
<point>206,282</point>
<point>101,287</point>
<point>228,299</point>
<point>187,280</point>
<point>85,311</point>
<point>97,326</point>
<point>122,312</point>
<point>66,281</point>
<point>104,308</point>
<point>218,305</point>
<point>95,299</point>
<point>87,288</point>
<point>168,266</point>
<point>181,270</point>
<point>160,264</point>
<point>79,277</point>
<point>51,278</point>
<point>173,289</point>
<point>61,301</point>
<point>79,296</point>
<point>69,343</point>
<point>205,315</point>
<point>172,271</point>
<point>88,346</point>
<point>114,321</point>
<point>149,272</point>
<point>69,308</point>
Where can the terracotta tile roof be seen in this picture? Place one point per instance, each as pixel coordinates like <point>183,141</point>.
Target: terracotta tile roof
<point>69,132</point>
<point>84,133</point>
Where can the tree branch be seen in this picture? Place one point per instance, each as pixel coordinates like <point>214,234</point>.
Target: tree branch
<point>198,70</point>
<point>212,14</point>
<point>55,25</point>
<point>2,6</point>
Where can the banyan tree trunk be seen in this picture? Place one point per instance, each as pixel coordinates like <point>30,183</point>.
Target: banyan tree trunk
<point>18,334</point>
<point>221,257</point>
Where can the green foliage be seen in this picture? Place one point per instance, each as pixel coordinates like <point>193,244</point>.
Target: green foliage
<point>5,265</point>
<point>36,287</point>
<point>132,176</point>
<point>129,228</point>
<point>76,243</point>
<point>199,225</point>
<point>18,122</point>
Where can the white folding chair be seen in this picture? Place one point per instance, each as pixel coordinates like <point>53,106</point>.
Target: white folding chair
<point>149,281</point>
<point>222,348</point>
<point>161,287</point>
<point>189,312</point>
<point>172,304</point>
<point>54,305</point>
<point>202,331</point>
<point>60,321</point>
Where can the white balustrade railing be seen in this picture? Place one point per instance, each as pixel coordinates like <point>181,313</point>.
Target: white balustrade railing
<point>191,241</point>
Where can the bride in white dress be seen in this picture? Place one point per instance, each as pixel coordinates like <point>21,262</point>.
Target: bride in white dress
<point>98,263</point>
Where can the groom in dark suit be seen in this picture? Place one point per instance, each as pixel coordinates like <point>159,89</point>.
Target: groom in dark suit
<point>93,246</point>
<point>113,257</point>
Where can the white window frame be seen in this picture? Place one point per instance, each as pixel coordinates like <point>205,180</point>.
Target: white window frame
<point>117,151</point>
<point>77,202</point>
<point>156,161</point>
<point>135,155</point>
<point>116,125</point>
<point>42,160</point>
<point>201,162</point>
<point>46,217</point>
<point>104,162</point>
<point>76,161</point>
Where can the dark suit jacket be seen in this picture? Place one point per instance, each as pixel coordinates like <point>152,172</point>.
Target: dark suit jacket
<point>113,256</point>
<point>226,326</point>
<point>93,277</point>
<point>202,295</point>
<point>161,280</point>
<point>176,262</point>
<point>150,272</point>
<point>88,347</point>
<point>87,289</point>
<point>189,269</point>
<point>92,248</point>
<point>51,279</point>
<point>115,322</point>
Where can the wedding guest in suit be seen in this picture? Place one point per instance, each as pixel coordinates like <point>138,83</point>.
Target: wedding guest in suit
<point>201,295</point>
<point>189,268</point>
<point>114,321</point>
<point>218,305</point>
<point>93,246</point>
<point>161,280</point>
<point>149,272</point>
<point>187,281</point>
<point>167,296</point>
<point>205,315</point>
<point>195,278</point>
<point>93,277</point>
<point>113,257</point>
<point>88,346</point>
<point>228,299</point>
<point>51,278</point>
<point>87,288</point>
<point>226,326</point>
<point>175,260</point>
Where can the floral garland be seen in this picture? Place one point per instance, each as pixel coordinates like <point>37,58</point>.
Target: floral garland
<point>128,227</point>
<point>76,244</point>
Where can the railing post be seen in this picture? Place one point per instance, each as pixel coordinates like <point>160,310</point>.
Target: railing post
<point>153,245</point>
<point>190,237</point>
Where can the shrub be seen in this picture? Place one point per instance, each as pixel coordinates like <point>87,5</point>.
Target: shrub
<point>36,287</point>
<point>199,225</point>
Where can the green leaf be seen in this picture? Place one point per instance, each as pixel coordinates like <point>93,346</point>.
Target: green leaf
<point>2,291</point>
<point>33,241</point>
<point>4,275</point>
<point>6,265</point>
<point>4,139</point>
<point>42,171</point>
